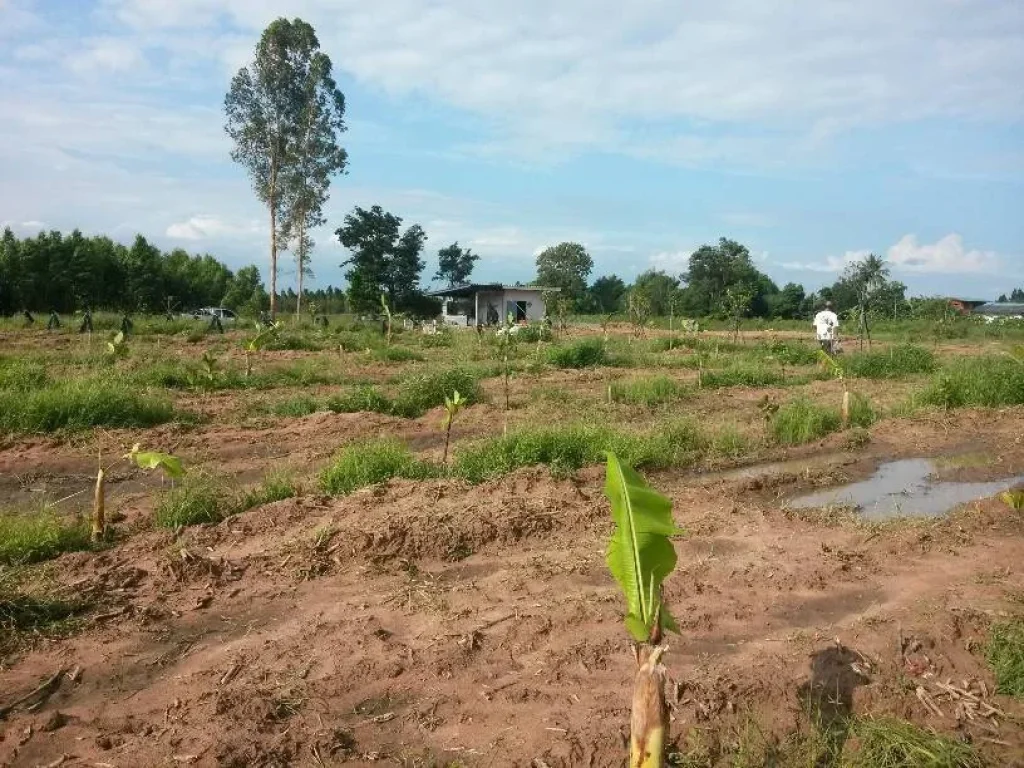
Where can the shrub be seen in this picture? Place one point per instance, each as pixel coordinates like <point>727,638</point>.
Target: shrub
<point>397,354</point>
<point>197,499</point>
<point>368,462</point>
<point>1005,655</point>
<point>898,362</point>
<point>980,381</point>
<point>741,377</point>
<point>34,536</point>
<point>360,399</point>
<point>650,391</point>
<point>585,353</point>
<point>80,404</point>
<point>419,393</point>
<point>800,421</point>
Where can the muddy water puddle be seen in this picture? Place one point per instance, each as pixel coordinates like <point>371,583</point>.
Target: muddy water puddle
<point>905,488</point>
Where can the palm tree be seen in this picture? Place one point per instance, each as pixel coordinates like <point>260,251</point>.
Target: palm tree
<point>868,275</point>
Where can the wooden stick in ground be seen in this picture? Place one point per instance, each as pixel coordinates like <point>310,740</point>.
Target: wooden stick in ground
<point>99,521</point>
<point>649,719</point>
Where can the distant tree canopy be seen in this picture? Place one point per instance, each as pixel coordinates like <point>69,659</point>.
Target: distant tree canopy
<point>606,294</point>
<point>71,272</point>
<point>455,264</point>
<point>384,260</point>
<point>566,266</point>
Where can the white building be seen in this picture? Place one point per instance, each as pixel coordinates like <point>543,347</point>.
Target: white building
<point>489,303</point>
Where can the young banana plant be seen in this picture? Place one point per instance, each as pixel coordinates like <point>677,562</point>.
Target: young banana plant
<point>117,346</point>
<point>837,372</point>
<point>640,556</point>
<point>257,342</point>
<point>171,466</point>
<point>452,406</point>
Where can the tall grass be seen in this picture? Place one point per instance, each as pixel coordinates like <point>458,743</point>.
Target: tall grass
<point>80,404</point>
<point>197,499</point>
<point>585,353</point>
<point>748,376</point>
<point>418,393</point>
<point>1005,654</point>
<point>22,374</point>
<point>568,448</point>
<point>359,400</point>
<point>897,362</point>
<point>276,486</point>
<point>648,391</point>
<point>34,536</point>
<point>397,355</point>
<point>889,743</point>
<point>862,412</point>
<point>368,462</point>
<point>980,381</point>
<point>801,420</point>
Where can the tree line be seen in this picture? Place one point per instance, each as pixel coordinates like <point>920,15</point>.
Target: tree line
<point>67,273</point>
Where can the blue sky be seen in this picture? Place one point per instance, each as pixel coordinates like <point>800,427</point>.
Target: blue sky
<point>813,131</point>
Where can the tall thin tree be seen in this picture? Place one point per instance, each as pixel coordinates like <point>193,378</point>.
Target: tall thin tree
<point>283,113</point>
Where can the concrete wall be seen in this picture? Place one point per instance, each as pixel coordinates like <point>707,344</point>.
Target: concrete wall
<point>534,311</point>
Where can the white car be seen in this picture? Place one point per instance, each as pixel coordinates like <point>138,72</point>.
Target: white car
<point>227,316</point>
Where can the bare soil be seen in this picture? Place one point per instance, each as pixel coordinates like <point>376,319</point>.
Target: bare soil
<point>434,623</point>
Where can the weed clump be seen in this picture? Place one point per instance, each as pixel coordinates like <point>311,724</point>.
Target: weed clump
<point>419,393</point>
<point>22,374</point>
<point>81,404</point>
<point>895,363</point>
<point>196,500</point>
<point>276,486</point>
<point>296,407</point>
<point>862,412</point>
<point>982,381</point>
<point>649,391</point>
<point>585,353</point>
<point>1005,655</point>
<point>35,536</point>
<point>397,355</point>
<point>361,399</point>
<point>368,462</point>
<point>753,376</point>
<point>884,742</point>
<point>800,421</point>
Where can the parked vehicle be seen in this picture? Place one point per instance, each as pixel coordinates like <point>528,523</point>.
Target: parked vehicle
<point>226,316</point>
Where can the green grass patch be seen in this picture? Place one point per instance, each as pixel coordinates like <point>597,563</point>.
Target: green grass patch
<point>897,362</point>
<point>197,499</point>
<point>359,400</point>
<point>276,486</point>
<point>979,381</point>
<point>368,462</point>
<point>1005,655</point>
<point>800,421</point>
<point>397,355</point>
<point>22,374</point>
<point>31,537</point>
<point>418,393</point>
<point>585,353</point>
<point>567,448</point>
<point>791,353</point>
<point>295,407</point>
<point>862,412</point>
<point>297,342</point>
<point>81,404</point>
<point>752,376</point>
<point>884,742</point>
<point>648,391</point>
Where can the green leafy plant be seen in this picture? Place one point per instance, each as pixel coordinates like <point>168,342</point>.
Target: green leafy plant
<point>452,406</point>
<point>148,460</point>
<point>264,333</point>
<point>1013,498</point>
<point>117,347</point>
<point>640,556</point>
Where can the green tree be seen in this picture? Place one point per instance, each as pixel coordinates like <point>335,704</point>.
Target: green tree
<point>384,259</point>
<point>455,264</point>
<point>566,266</point>
<point>713,269</point>
<point>245,292</point>
<point>660,290</point>
<point>281,108</point>
<point>788,303</point>
<point>606,294</point>
<point>1017,295</point>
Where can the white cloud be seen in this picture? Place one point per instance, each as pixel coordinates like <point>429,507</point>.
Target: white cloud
<point>203,226</point>
<point>829,264</point>
<point>946,255</point>
<point>672,262</point>
<point>105,55</point>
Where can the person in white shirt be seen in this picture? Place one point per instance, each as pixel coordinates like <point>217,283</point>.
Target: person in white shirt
<point>825,324</point>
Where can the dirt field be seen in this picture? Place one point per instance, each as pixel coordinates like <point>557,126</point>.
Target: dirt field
<point>438,623</point>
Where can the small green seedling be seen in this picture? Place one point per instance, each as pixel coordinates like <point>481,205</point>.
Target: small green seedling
<point>171,466</point>
<point>118,346</point>
<point>1014,499</point>
<point>263,334</point>
<point>837,372</point>
<point>452,406</point>
<point>640,556</point>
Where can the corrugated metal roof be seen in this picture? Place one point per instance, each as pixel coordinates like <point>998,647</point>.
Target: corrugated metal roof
<point>470,288</point>
<point>1001,308</point>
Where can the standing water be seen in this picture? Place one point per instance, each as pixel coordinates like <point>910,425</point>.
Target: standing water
<point>904,488</point>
